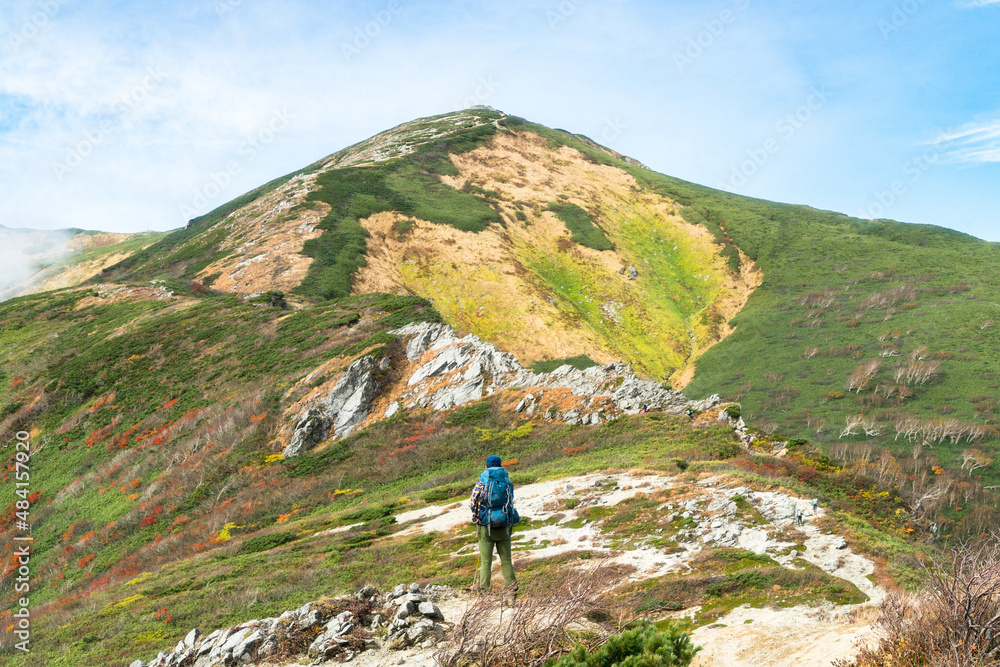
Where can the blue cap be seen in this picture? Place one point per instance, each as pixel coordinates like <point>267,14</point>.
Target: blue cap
<point>493,461</point>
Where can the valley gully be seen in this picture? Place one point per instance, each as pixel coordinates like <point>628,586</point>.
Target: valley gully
<point>22,543</point>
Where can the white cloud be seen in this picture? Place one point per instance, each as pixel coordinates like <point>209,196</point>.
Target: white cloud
<point>23,253</point>
<point>975,143</point>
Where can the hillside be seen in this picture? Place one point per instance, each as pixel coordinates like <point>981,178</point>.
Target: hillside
<point>555,248</point>
<point>517,238</point>
<point>38,261</point>
<point>158,490</point>
<point>285,390</point>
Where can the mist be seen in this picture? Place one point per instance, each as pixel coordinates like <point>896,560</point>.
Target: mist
<point>24,253</point>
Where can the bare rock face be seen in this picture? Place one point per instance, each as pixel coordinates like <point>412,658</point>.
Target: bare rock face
<point>447,371</point>
<point>347,405</point>
<point>311,430</point>
<point>457,370</point>
<point>341,410</point>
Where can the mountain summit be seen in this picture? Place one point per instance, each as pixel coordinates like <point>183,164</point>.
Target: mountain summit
<point>556,249</point>
<point>537,240</point>
<point>247,414</point>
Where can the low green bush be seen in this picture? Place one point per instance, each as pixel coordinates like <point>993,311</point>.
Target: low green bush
<point>474,413</point>
<point>265,542</point>
<point>369,514</point>
<point>643,646</point>
<point>580,362</point>
<point>583,229</point>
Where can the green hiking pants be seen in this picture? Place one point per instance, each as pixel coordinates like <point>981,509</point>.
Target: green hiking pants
<point>487,540</point>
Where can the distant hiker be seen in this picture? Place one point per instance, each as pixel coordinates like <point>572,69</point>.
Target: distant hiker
<point>798,516</point>
<point>493,513</point>
<point>690,413</point>
<point>815,504</point>
<point>645,408</point>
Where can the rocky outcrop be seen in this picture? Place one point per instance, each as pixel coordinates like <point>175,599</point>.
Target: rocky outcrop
<point>311,430</point>
<point>416,619</point>
<point>343,627</point>
<point>445,371</point>
<point>347,405</point>
<point>456,370</point>
<point>341,410</point>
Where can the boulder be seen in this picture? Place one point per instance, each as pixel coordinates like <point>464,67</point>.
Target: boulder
<point>430,610</point>
<point>406,610</point>
<point>191,639</point>
<point>311,430</point>
<point>349,401</point>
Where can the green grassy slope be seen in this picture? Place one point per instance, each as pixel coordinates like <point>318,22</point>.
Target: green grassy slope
<point>156,496</point>
<point>157,536</point>
<point>841,293</point>
<point>150,416</point>
<point>838,293</point>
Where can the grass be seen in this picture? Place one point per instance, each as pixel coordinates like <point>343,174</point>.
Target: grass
<point>156,421</point>
<point>410,186</point>
<point>825,306</point>
<point>792,348</point>
<point>753,582</point>
<point>114,412</point>
<point>250,520</point>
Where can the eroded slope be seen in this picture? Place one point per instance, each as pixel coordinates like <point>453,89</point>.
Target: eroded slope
<point>658,299</point>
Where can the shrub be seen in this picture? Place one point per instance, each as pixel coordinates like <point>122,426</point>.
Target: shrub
<point>265,542</point>
<point>470,414</point>
<point>581,362</point>
<point>953,620</point>
<point>370,513</point>
<point>581,226</point>
<point>445,492</point>
<point>739,581</point>
<point>536,625</point>
<point>642,646</point>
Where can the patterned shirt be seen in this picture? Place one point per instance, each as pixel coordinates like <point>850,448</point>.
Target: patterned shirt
<point>477,501</point>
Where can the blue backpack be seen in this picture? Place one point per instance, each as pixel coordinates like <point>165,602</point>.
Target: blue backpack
<point>499,495</point>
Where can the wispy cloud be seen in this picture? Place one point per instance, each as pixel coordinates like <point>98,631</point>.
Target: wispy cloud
<point>975,143</point>
<point>23,252</point>
<point>982,3</point>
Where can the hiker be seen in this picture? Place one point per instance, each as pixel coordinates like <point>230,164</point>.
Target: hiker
<point>815,504</point>
<point>798,516</point>
<point>494,515</point>
<point>645,408</point>
<point>690,413</point>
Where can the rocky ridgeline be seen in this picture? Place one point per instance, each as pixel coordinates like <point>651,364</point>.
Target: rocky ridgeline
<point>342,628</point>
<point>445,371</point>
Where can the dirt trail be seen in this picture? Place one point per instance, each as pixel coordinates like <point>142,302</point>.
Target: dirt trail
<point>797,636</point>
<point>793,637</point>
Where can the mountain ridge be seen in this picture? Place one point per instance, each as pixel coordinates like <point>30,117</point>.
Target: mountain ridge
<point>856,361</point>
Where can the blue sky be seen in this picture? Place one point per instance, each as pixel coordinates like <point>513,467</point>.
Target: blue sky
<point>128,116</point>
